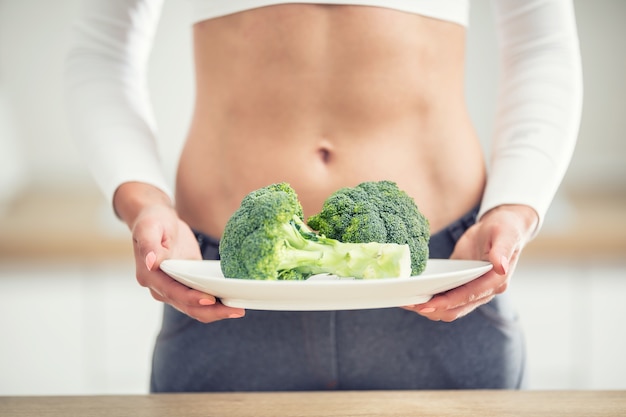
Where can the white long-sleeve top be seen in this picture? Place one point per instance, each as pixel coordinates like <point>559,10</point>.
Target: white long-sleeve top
<point>538,107</point>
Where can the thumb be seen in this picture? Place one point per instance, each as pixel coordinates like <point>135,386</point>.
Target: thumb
<point>501,253</point>
<point>150,260</point>
<point>147,241</point>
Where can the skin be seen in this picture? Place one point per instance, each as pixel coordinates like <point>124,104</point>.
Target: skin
<point>323,97</point>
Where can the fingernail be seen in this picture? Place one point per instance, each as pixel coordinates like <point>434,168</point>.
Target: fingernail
<point>150,260</point>
<point>236,315</point>
<point>427,310</point>
<point>505,264</point>
<point>206,301</point>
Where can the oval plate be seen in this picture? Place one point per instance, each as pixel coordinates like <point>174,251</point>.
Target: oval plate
<point>325,292</point>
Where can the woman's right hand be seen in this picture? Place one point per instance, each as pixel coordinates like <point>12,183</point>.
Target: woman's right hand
<point>158,234</point>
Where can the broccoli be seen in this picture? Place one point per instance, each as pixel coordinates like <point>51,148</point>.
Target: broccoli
<point>266,238</point>
<point>375,212</point>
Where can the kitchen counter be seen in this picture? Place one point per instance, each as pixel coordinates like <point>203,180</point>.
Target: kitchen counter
<point>583,227</point>
<point>78,224</point>
<point>482,403</point>
<point>64,225</point>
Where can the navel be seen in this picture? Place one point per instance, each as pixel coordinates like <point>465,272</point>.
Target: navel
<point>325,152</point>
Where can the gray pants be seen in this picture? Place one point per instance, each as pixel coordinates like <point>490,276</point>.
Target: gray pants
<point>348,350</point>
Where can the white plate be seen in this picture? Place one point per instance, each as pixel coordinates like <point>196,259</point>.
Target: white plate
<point>325,292</point>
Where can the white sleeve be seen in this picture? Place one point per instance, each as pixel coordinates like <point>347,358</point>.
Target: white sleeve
<point>106,92</point>
<point>539,103</point>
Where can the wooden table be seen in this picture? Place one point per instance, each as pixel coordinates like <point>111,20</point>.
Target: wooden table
<point>482,403</point>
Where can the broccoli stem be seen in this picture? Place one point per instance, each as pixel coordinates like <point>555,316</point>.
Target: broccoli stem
<point>309,253</point>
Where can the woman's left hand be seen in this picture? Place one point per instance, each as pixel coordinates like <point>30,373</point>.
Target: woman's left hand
<point>498,237</point>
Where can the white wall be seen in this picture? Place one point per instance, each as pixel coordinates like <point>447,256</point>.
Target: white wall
<point>11,163</point>
<point>33,41</point>
<point>75,328</point>
<point>34,36</point>
<point>601,154</point>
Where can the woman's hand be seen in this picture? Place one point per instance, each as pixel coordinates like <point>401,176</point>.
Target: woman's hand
<point>498,237</point>
<point>158,234</point>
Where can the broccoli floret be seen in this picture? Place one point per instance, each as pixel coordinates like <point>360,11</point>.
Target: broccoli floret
<point>267,239</point>
<point>375,212</point>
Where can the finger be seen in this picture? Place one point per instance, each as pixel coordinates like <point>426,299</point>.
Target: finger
<point>155,294</point>
<point>204,300</point>
<point>458,312</point>
<point>173,292</point>
<point>150,260</point>
<point>148,244</point>
<point>216,312</point>
<point>503,248</point>
<point>471,293</point>
<point>481,287</point>
<point>196,304</point>
<point>450,314</point>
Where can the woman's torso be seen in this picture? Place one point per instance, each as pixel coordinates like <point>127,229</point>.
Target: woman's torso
<point>326,96</point>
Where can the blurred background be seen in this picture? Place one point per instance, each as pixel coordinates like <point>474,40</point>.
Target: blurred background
<point>74,321</point>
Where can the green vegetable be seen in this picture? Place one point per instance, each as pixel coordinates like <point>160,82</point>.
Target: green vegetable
<point>266,238</point>
<point>375,212</point>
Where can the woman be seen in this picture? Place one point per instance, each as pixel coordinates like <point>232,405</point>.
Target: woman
<point>325,95</point>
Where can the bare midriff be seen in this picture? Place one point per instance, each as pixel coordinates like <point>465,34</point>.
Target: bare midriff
<point>327,96</point>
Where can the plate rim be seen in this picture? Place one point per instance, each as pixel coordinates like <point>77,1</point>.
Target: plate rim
<point>304,295</point>
<point>478,266</point>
